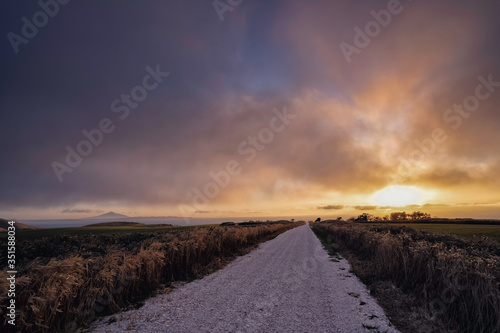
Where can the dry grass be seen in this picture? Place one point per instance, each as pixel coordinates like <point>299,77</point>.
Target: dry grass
<point>454,282</point>
<point>70,291</point>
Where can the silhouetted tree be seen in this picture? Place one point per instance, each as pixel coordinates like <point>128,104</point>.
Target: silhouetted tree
<point>418,215</point>
<point>365,217</point>
<point>399,216</point>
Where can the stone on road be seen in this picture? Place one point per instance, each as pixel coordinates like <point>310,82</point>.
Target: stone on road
<point>288,284</point>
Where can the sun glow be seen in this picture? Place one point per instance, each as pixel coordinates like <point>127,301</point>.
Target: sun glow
<point>398,196</point>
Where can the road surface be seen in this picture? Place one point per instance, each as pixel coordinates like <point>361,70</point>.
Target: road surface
<point>288,284</point>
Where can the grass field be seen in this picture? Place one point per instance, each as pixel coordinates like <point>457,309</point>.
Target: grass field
<point>465,230</point>
<point>50,232</point>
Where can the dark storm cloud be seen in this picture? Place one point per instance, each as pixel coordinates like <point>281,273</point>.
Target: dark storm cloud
<point>331,207</point>
<point>366,207</point>
<point>356,122</point>
<point>65,79</point>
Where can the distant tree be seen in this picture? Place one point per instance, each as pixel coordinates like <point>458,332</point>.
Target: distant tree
<point>418,215</point>
<point>426,216</point>
<point>399,216</point>
<point>318,219</point>
<point>386,218</point>
<point>365,217</point>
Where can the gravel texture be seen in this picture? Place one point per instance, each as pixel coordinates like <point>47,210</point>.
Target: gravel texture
<point>288,284</point>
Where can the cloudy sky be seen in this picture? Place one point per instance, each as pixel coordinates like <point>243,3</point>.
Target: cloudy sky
<point>249,108</point>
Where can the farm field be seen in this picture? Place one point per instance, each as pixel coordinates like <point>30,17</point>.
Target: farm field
<point>50,232</point>
<point>465,230</point>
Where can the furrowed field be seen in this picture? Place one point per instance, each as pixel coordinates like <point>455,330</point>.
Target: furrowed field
<point>426,282</point>
<point>65,280</point>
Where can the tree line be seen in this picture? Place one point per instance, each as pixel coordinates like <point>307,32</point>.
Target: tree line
<point>395,216</point>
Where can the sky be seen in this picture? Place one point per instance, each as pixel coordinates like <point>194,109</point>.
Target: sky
<point>249,108</point>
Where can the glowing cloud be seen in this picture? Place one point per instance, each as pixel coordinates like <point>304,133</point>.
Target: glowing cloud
<point>398,196</point>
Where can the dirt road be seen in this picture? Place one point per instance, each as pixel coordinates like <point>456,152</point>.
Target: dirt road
<point>288,284</point>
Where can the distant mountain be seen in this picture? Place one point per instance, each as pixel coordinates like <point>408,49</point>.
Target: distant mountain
<point>4,225</point>
<point>126,224</point>
<point>115,224</point>
<point>158,217</point>
<point>109,215</point>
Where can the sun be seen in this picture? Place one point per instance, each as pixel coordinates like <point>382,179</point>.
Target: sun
<point>399,196</point>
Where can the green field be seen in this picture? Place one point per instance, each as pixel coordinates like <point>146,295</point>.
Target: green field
<point>466,230</point>
<point>48,232</point>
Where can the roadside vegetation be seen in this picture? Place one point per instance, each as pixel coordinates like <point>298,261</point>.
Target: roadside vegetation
<point>426,282</point>
<point>465,227</point>
<point>66,281</point>
<point>470,231</point>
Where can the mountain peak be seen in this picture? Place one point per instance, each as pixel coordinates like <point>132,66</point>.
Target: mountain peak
<point>109,215</point>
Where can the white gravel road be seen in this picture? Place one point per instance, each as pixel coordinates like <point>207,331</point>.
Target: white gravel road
<point>288,284</point>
